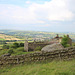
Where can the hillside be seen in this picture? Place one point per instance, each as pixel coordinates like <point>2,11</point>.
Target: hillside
<point>5,38</point>
<point>43,68</point>
<point>34,68</point>
<point>35,34</point>
<point>8,37</point>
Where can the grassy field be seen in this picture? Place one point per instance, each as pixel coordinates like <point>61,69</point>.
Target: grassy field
<point>7,37</point>
<point>1,46</point>
<point>2,39</point>
<point>18,51</point>
<point>43,68</point>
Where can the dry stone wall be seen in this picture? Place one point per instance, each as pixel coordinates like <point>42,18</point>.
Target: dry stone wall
<point>63,54</point>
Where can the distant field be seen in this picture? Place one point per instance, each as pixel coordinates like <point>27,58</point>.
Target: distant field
<point>2,39</point>
<point>30,35</point>
<point>7,37</point>
<point>41,68</point>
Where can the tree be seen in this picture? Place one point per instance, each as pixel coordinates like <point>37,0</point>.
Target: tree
<point>65,40</point>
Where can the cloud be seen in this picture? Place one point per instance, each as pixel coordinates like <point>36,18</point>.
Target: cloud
<point>27,2</point>
<point>16,14</point>
<point>54,10</point>
<point>74,23</point>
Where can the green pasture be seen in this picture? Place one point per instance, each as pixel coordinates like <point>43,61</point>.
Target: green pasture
<point>41,68</point>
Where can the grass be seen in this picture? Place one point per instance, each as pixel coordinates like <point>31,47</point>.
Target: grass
<point>2,39</point>
<point>3,51</point>
<point>1,46</point>
<point>43,68</point>
<point>18,51</point>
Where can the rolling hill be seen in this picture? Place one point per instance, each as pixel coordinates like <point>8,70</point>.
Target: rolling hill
<point>17,35</point>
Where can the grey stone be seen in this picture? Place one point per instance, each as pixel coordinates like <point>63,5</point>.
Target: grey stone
<point>52,47</point>
<point>8,54</point>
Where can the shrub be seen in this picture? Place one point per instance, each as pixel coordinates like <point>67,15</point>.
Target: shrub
<point>38,48</point>
<point>64,41</point>
<point>12,46</point>
<point>10,51</point>
<point>16,45</point>
<point>21,44</point>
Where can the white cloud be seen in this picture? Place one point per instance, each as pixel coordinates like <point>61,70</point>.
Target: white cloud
<point>16,14</point>
<point>27,2</point>
<point>41,22</point>
<point>74,23</point>
<point>55,10</point>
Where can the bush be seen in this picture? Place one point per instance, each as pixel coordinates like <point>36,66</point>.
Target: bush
<point>38,48</point>
<point>21,44</point>
<point>12,46</point>
<point>16,45</point>
<point>64,41</point>
<point>10,51</point>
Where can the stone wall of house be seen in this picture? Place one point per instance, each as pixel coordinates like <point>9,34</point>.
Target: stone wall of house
<point>63,54</point>
<point>33,45</point>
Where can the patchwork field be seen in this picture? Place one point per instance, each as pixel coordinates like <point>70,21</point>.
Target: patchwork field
<point>7,37</point>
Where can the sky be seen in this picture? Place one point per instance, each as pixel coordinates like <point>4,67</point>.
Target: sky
<point>38,15</point>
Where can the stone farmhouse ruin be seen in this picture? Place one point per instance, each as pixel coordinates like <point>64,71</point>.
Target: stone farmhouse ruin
<point>58,39</point>
<point>49,52</point>
<point>30,46</point>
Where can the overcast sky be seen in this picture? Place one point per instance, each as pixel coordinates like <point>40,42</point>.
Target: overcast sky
<point>38,15</point>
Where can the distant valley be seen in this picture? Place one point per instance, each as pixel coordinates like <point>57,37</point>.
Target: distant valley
<point>30,35</point>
